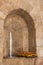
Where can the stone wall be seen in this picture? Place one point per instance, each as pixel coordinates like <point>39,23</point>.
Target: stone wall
<point>34,9</point>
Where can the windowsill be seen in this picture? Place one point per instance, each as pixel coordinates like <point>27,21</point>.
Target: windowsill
<point>13,57</point>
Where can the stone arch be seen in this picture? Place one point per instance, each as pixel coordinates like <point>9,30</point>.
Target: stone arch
<point>26,24</point>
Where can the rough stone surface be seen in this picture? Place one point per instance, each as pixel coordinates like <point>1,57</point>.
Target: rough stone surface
<point>24,15</point>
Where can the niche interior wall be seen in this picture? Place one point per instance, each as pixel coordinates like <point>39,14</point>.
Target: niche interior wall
<point>23,32</point>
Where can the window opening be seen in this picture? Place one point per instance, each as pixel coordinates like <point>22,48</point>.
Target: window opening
<point>10,45</point>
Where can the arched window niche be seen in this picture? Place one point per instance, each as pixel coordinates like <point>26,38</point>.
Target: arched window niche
<point>20,34</point>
